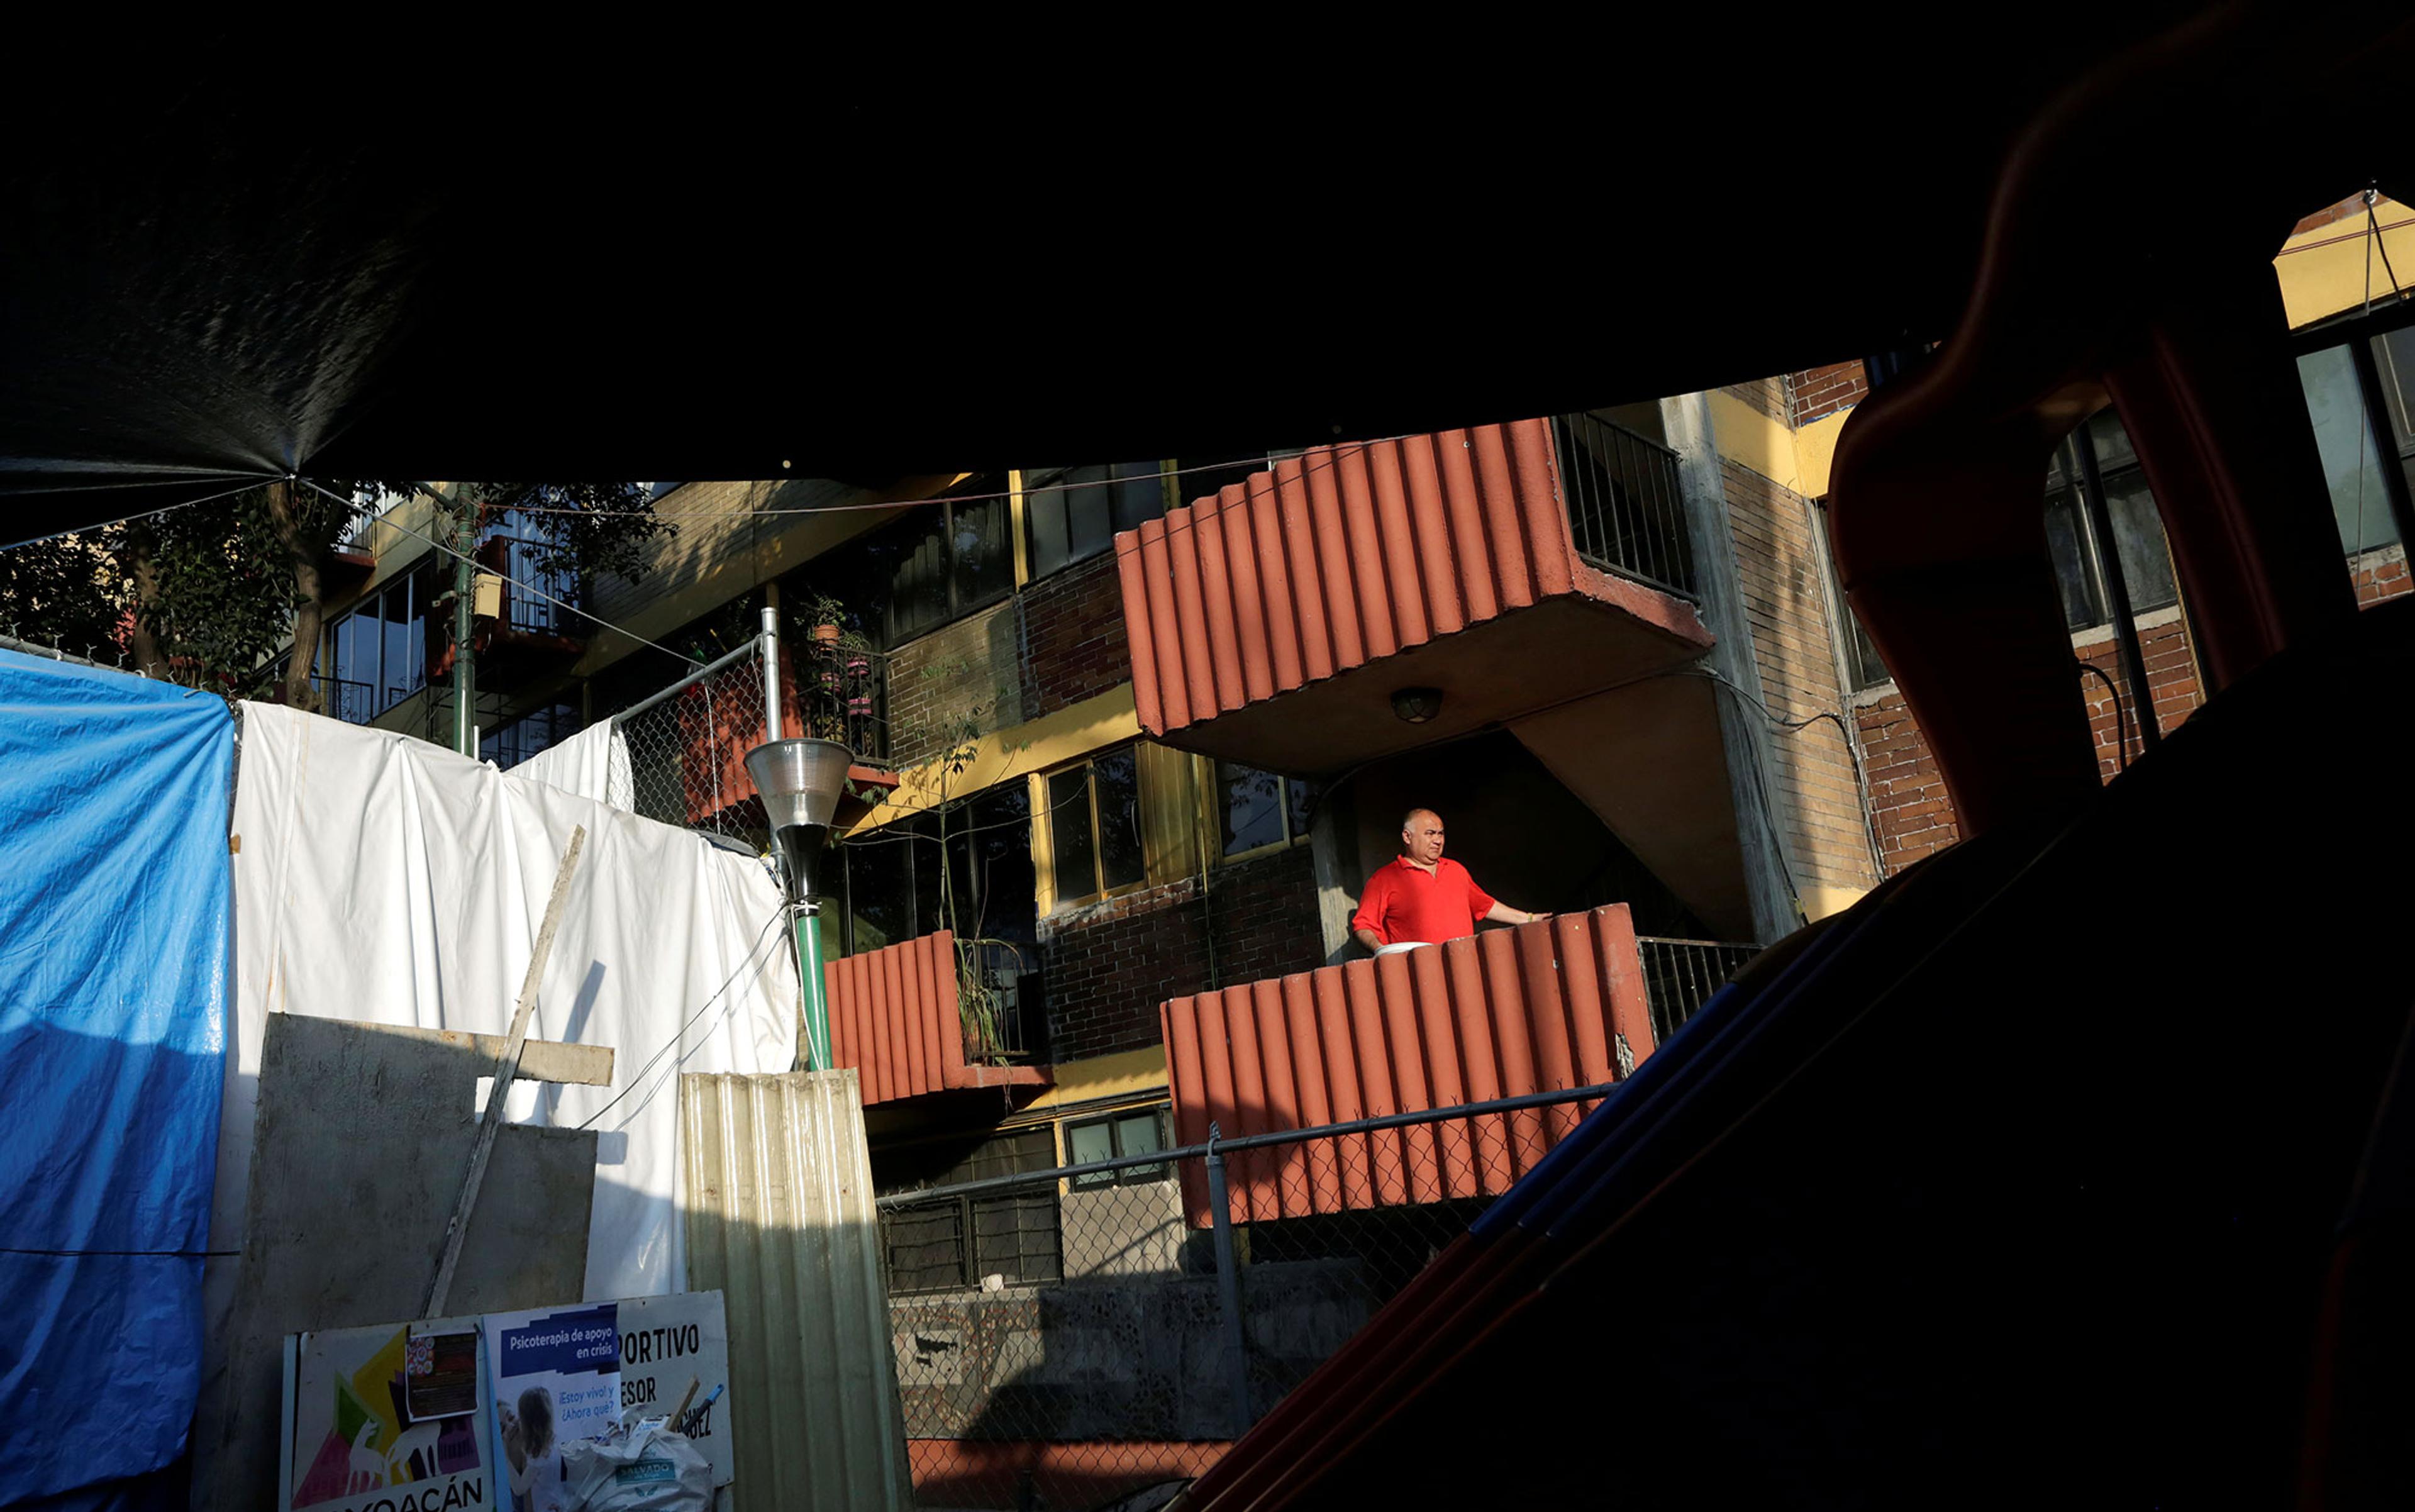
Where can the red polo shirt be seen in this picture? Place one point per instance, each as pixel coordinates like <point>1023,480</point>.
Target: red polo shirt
<point>1407,903</point>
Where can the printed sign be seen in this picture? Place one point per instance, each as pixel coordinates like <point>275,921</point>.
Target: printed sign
<point>665,1343</point>
<point>357,1442</point>
<point>556,1377</point>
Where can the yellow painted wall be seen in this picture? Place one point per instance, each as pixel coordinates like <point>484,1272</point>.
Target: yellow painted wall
<point>2325,270</point>
<point>1128,1074</point>
<point>1037,745</point>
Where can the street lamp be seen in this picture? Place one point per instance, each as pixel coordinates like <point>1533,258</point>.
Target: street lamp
<point>799,782</point>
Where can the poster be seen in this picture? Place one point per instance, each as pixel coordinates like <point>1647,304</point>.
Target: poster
<point>556,1376</point>
<point>667,1342</point>
<point>385,1419</point>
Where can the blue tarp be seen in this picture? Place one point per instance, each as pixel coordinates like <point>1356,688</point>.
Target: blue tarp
<point>115,903</point>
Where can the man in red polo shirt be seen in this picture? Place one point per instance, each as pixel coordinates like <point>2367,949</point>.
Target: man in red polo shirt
<point>1420,898</point>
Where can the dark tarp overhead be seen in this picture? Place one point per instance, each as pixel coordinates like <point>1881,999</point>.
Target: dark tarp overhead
<point>781,253</point>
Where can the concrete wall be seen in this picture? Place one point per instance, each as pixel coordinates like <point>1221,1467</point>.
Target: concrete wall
<point>364,1133</point>
<point>1139,1358</point>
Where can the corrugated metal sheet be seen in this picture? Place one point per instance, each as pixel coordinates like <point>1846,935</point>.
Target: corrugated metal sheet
<point>1506,1013</point>
<point>1340,556</point>
<point>779,1218</point>
<point>895,1019</point>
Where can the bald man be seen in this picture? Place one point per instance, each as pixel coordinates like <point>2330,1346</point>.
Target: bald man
<point>1420,898</point>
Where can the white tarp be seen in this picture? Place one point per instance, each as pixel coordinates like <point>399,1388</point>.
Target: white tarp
<point>594,763</point>
<point>381,879</point>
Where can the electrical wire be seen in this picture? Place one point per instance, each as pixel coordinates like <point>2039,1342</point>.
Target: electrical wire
<point>644,1069</point>
<point>1335,452</point>
<point>148,514</point>
<point>370,512</point>
<point>2120,724</point>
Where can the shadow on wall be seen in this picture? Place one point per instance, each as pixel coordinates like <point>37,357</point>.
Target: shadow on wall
<point>1525,838</point>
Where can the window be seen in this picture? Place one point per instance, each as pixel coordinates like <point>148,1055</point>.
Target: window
<point>945,559</point>
<point>2350,433</point>
<point>1071,514</point>
<point>892,875</point>
<point>1117,1134</point>
<point>378,653</point>
<point>522,547</point>
<point>1257,809</point>
<point>508,746</point>
<point>952,1242</point>
<point>2080,559</point>
<point>1094,825</point>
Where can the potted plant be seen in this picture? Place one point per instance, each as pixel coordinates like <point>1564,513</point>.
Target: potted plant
<point>827,619</point>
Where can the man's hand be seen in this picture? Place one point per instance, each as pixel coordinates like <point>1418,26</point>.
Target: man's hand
<point>1501,913</point>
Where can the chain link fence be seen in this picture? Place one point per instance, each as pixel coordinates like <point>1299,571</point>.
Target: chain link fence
<point>687,748</point>
<point>1069,1336</point>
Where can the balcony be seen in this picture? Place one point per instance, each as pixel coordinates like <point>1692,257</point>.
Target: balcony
<point>1572,1001</point>
<point>1512,567</point>
<point>897,1017</point>
<point>844,698</point>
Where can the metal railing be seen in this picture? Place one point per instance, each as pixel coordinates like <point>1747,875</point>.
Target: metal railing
<point>845,694</point>
<point>1623,501</point>
<point>1680,976</point>
<point>354,703</point>
<point>523,569</point>
<point>1070,1335</point>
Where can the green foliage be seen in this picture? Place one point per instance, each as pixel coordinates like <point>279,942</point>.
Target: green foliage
<point>216,585</point>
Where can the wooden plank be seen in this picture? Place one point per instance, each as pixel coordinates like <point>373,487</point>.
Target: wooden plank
<point>458,1227</point>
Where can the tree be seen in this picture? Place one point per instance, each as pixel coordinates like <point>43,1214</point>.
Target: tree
<point>207,595</point>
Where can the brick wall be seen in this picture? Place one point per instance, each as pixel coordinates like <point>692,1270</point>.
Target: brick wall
<point>1783,579</point>
<point>1110,965</point>
<point>970,671</point>
<point>1908,800</point>
<point>1771,396</point>
<point>2380,574</point>
<point>1823,390</point>
<point>1075,623</point>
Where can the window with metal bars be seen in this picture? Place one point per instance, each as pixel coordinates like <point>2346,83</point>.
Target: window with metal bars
<point>1116,1134</point>
<point>953,1243</point>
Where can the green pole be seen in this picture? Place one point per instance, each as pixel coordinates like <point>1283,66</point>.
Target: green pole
<point>815,1051</point>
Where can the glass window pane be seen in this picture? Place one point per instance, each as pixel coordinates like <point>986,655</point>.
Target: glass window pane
<point>2112,442</point>
<point>1115,778</point>
<point>399,633</point>
<point>924,861</point>
<point>998,837</point>
<point>2360,496</point>
<point>980,551</point>
<point>1084,1142</point>
<point>1140,495</point>
<point>879,889</point>
<point>1044,515</point>
<point>1069,828</point>
<point>2074,574</point>
<point>2138,537</point>
<point>1251,802</point>
<point>917,582</point>
<point>1302,799</point>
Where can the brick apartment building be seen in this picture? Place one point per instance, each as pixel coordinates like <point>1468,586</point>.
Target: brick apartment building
<point>1147,726</point>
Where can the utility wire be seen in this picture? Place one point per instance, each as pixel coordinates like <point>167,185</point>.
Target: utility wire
<point>640,1073</point>
<point>370,512</point>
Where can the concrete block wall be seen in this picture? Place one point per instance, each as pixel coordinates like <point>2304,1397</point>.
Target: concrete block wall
<point>1111,963</point>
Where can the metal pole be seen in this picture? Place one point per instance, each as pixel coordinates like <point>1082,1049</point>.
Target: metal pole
<point>1228,1288</point>
<point>771,730</point>
<point>465,587</point>
<point>817,1048</point>
<point>2116,589</point>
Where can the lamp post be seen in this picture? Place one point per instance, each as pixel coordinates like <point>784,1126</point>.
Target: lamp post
<point>800,782</point>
